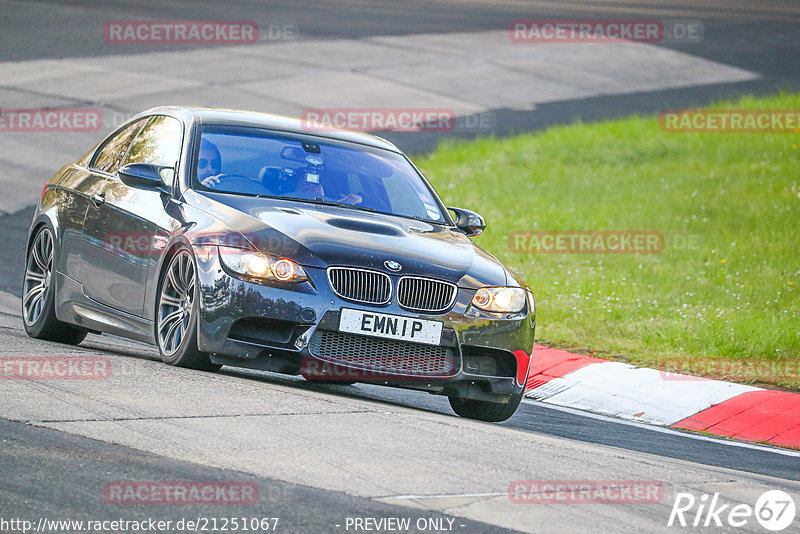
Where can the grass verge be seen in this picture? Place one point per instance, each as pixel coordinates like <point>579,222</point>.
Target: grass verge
<point>719,300</point>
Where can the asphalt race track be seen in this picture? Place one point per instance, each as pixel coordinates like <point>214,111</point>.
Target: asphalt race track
<point>324,456</point>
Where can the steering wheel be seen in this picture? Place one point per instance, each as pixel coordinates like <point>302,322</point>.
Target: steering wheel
<point>238,183</point>
<point>361,196</point>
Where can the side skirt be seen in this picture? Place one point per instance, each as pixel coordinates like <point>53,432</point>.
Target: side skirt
<point>74,307</point>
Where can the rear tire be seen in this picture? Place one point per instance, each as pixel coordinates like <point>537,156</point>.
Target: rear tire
<point>176,314</point>
<point>493,412</point>
<point>39,294</point>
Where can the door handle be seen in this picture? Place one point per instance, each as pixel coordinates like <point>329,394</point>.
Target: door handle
<point>98,198</point>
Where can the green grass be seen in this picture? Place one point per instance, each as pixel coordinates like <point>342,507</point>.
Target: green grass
<point>727,307</point>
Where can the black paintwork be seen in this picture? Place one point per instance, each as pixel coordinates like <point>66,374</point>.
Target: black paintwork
<point>113,235</point>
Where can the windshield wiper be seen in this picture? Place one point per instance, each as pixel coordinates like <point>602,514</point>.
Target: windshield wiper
<point>423,219</point>
<point>324,202</point>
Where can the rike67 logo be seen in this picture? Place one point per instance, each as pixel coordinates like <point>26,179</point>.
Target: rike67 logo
<point>774,510</point>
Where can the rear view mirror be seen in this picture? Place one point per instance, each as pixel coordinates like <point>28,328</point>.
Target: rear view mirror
<point>293,153</point>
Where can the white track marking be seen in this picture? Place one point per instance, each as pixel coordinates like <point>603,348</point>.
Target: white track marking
<point>666,430</point>
<point>636,393</point>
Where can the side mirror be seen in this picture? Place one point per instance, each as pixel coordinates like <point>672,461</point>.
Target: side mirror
<point>146,176</point>
<point>468,221</point>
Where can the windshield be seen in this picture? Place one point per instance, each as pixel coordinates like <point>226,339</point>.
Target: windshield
<point>250,161</point>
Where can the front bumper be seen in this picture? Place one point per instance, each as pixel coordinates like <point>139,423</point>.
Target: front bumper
<point>293,328</point>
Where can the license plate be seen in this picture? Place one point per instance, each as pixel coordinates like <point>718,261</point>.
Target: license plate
<point>390,326</point>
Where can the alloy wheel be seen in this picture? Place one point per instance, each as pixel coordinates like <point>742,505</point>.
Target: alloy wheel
<point>38,276</point>
<point>176,302</point>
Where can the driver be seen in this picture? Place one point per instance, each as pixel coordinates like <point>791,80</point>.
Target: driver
<point>209,164</point>
<point>336,187</point>
<point>310,186</point>
<point>306,184</point>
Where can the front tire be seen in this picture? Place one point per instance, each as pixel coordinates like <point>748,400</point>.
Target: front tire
<point>39,294</point>
<point>493,412</point>
<point>176,315</point>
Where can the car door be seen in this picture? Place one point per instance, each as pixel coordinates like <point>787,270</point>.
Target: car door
<point>87,182</point>
<point>121,238</point>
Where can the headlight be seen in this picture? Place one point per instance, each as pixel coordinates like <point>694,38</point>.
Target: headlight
<point>258,265</point>
<point>500,299</point>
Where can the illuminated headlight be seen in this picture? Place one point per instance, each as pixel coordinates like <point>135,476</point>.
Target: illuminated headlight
<point>258,265</point>
<point>500,299</point>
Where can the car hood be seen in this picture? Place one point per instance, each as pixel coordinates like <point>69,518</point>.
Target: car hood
<point>322,236</point>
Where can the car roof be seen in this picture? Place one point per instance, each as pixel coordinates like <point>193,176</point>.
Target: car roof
<point>237,117</point>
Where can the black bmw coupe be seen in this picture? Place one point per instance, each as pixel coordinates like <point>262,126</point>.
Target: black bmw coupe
<point>235,238</point>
